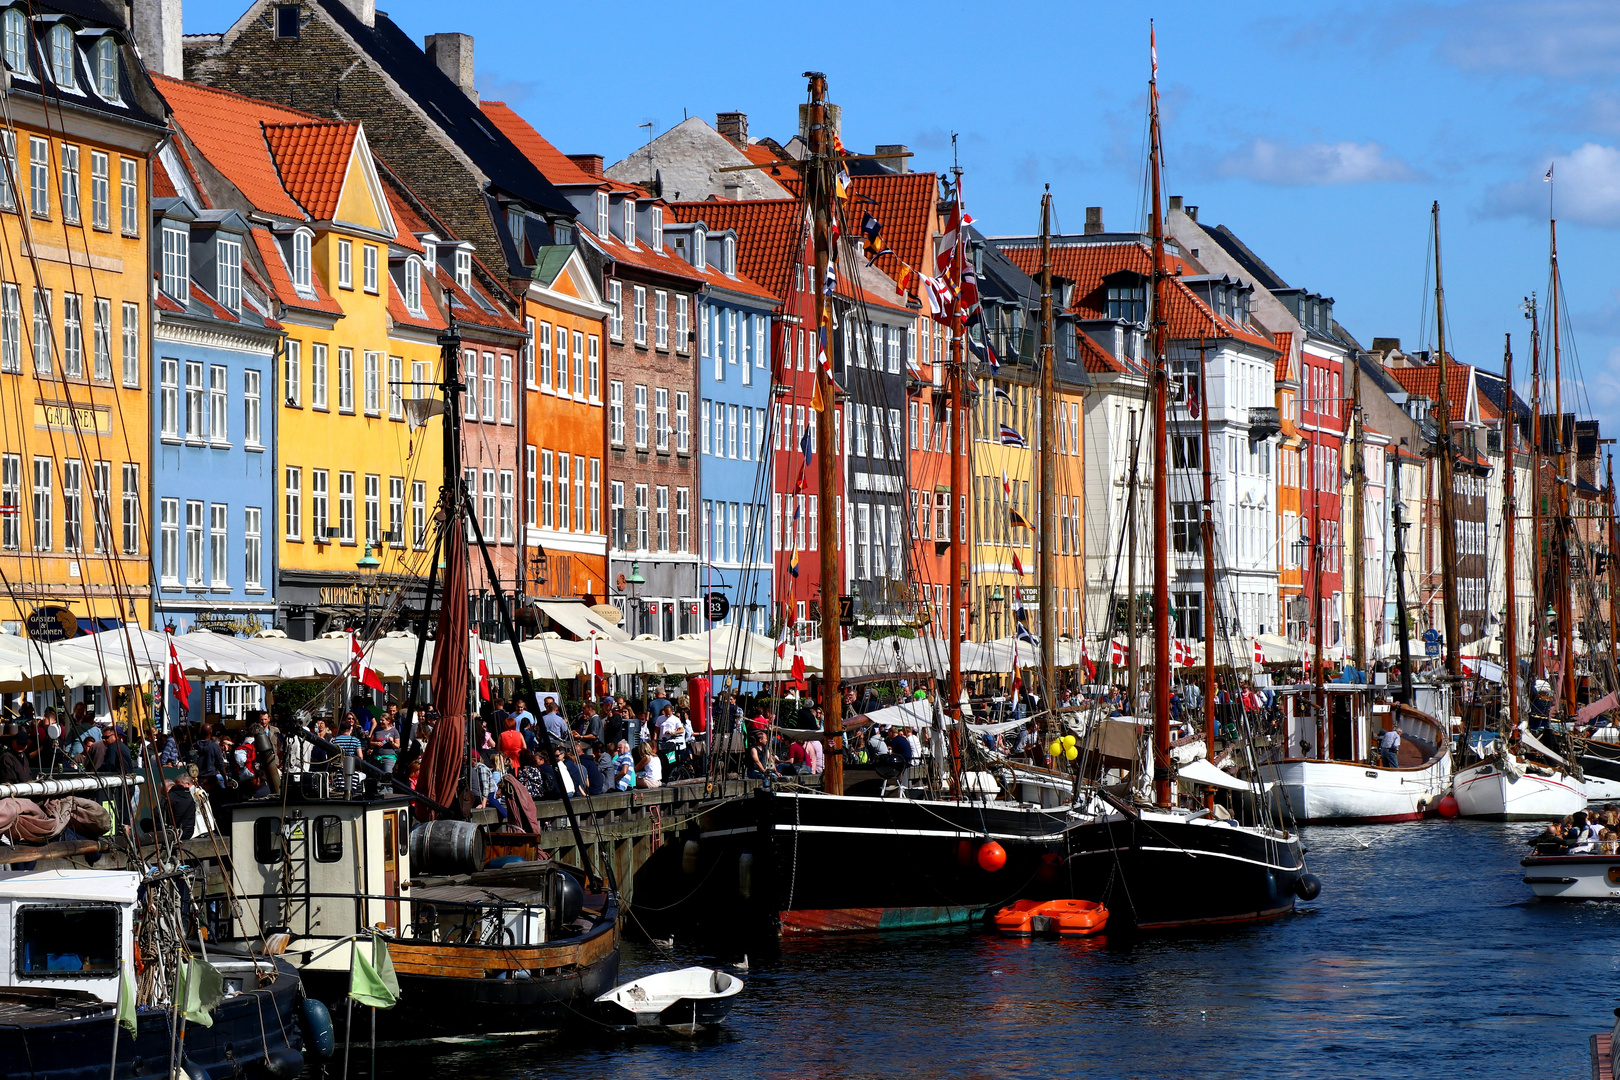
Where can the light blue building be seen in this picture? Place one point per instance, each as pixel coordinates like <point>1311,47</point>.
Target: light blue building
<point>735,442</point>
<point>213,471</point>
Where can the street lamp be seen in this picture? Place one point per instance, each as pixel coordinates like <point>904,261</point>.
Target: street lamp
<point>367,564</point>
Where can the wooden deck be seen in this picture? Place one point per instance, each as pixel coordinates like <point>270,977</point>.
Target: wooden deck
<point>1602,1067</point>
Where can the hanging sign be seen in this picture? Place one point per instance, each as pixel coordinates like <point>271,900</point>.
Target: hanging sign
<point>716,606</point>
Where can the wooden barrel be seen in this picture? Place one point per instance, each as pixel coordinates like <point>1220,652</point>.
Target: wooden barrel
<point>447,847</point>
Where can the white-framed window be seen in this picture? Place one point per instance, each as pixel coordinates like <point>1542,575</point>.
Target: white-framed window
<point>9,175</point>
<point>218,402</point>
<point>507,506</point>
<point>579,364</point>
<point>616,412</point>
<point>545,357</point>
<point>196,527</point>
<point>548,491</point>
<point>579,493</point>
<point>640,312</point>
<point>413,286</point>
<point>731,432</point>
<point>10,328</point>
<point>345,380</point>
<point>528,351</point>
<point>373,509</point>
<point>616,304</point>
<point>746,437</point>
<point>101,505</point>
<point>630,222</point>
<point>132,345</point>
<point>61,48</point>
<point>72,505</point>
<point>72,335</point>
<point>320,520</point>
<point>252,548</point>
<point>219,530</point>
<point>345,267</point>
<point>169,397</point>
<point>593,367</point>
<point>704,417</point>
<point>252,408</point>
<point>132,508</point>
<point>641,417</point>
<point>464,269</point>
<point>683,422</point>
<point>683,323</point>
<point>731,338</point>
<point>317,375</point>
<point>683,520</point>
<point>346,507</point>
<point>169,541</point>
<point>105,54</point>
<point>228,273</point>
<point>396,380</point>
<point>396,511</point>
<point>746,329</point>
<point>419,514</point>
<point>176,260</point>
<point>658,228</point>
<point>101,339</point>
<point>129,202</point>
<point>10,502</point>
<point>292,488</point>
<point>661,519</point>
<point>39,177</point>
<point>292,371</point>
<point>488,500</point>
<point>69,179</point>
<point>196,399</point>
<point>373,362</point>
<point>43,500</point>
<point>17,43</point>
<point>564,491</point>
<point>530,456</point>
<point>661,417</point>
<point>641,517</point>
<point>301,262</point>
<point>894,435</point>
<point>603,228</point>
<point>661,319</point>
<point>596,496</point>
<point>368,259</point>
<point>620,540</point>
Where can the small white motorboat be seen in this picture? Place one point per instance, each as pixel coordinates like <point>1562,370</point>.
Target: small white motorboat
<point>1573,877</point>
<point>685,1002</point>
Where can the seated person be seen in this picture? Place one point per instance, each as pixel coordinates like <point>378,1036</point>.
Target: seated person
<point>761,762</point>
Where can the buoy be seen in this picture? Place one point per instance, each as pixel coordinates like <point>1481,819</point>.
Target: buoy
<point>1056,748</point>
<point>1068,740</point>
<point>1308,887</point>
<point>1447,806</point>
<point>992,856</point>
<point>319,1038</point>
<point>1071,752</point>
<point>283,1064</point>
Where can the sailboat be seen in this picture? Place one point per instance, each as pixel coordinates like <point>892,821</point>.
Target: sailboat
<point>1517,776</point>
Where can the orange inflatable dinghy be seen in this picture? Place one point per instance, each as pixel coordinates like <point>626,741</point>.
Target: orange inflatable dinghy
<point>1055,918</point>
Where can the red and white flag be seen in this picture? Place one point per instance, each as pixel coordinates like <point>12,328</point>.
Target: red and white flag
<point>363,673</point>
<point>1259,653</point>
<point>1018,567</point>
<point>179,685</point>
<point>480,668</point>
<point>1116,653</point>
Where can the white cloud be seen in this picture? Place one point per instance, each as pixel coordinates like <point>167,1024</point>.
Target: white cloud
<point>1562,39</point>
<point>1298,164</point>
<point>1587,189</point>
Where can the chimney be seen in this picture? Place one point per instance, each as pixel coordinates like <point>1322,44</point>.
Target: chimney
<point>1175,203</point>
<point>1094,223</point>
<point>157,36</point>
<point>893,155</point>
<point>589,164</point>
<point>364,10</point>
<point>835,116</point>
<point>453,53</point>
<point>1192,212</point>
<point>733,190</point>
<point>734,126</point>
<point>1386,344</point>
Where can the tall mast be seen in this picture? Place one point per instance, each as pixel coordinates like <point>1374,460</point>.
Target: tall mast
<point>1048,494</point>
<point>819,193</point>
<point>957,416</point>
<point>1614,598</point>
<point>1358,523</point>
<point>1162,788</point>
<point>1448,536</point>
<point>1510,511</point>
<point>1538,616</point>
<point>1561,525</point>
<point>1401,526</point>
<point>1133,506</point>
<point>1206,539</point>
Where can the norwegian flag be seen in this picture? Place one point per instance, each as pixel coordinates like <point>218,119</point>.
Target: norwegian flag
<point>179,685</point>
<point>363,673</point>
<point>1259,652</point>
<point>1116,653</point>
<point>481,668</point>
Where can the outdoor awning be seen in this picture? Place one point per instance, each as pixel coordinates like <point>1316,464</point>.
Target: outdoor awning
<point>581,620</point>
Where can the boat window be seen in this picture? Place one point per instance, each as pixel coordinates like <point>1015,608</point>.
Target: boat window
<point>328,838</point>
<point>268,846</point>
<point>62,942</point>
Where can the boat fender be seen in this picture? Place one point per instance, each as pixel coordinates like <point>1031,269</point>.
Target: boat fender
<point>190,1070</point>
<point>689,858</point>
<point>992,856</point>
<point>570,897</point>
<point>319,1038</point>
<point>1447,806</point>
<point>283,1064</point>
<point>1308,887</point>
<point>745,875</point>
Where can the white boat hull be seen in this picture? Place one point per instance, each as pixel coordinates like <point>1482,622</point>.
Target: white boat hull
<point>1601,791</point>
<point>1573,877</point>
<point>1349,791</point>
<point>1485,791</point>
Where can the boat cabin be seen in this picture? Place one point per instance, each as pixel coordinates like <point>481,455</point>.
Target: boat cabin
<point>67,929</point>
<point>1343,721</point>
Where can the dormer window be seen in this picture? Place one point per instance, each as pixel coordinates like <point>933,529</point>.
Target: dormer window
<point>413,286</point>
<point>700,248</point>
<point>16,41</point>
<point>464,269</point>
<point>301,262</point>
<point>176,259</point>
<point>228,270</point>
<point>430,253</point>
<point>1127,301</point>
<point>62,56</point>
<point>106,54</point>
<point>658,228</point>
<point>730,251</point>
<point>630,222</point>
<point>602,227</point>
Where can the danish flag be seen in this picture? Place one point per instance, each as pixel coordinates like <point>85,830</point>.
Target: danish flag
<point>1259,653</point>
<point>1116,653</point>
<point>363,672</point>
<point>481,668</point>
<point>178,683</point>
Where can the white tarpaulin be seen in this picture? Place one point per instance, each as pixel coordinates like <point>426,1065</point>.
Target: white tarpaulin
<point>1202,772</point>
<point>581,620</point>
<point>914,714</point>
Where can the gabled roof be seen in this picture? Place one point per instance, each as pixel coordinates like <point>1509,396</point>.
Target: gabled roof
<point>227,129</point>
<point>1460,387</point>
<point>457,115</point>
<point>764,154</point>
<point>468,310</point>
<point>281,282</point>
<point>430,319</point>
<point>1097,359</point>
<point>903,203</point>
<point>556,166</point>
<point>313,158</point>
<point>771,235</point>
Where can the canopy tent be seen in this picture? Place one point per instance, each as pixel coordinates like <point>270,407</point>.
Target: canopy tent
<point>580,620</point>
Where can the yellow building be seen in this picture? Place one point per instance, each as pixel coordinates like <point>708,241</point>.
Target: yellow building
<point>1006,482</point>
<point>356,297</point>
<point>80,126</point>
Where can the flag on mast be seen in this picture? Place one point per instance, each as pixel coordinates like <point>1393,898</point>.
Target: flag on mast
<point>363,673</point>
<point>179,685</point>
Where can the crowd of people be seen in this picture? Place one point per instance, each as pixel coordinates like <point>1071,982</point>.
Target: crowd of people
<point>1584,832</point>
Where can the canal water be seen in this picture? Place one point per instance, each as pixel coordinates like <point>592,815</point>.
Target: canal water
<point>1424,956</point>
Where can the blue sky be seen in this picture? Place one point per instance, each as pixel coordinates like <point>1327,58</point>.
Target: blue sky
<point>1319,133</point>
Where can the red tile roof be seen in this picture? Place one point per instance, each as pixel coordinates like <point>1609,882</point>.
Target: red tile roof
<point>1097,359</point>
<point>553,164</point>
<point>903,204</point>
<point>468,310</point>
<point>1425,381</point>
<point>771,235</point>
<point>313,159</point>
<point>227,129</point>
<point>407,222</point>
<point>760,154</point>
<point>430,319</point>
<point>166,304</point>
<point>281,284</point>
<point>162,186</point>
<point>1087,264</point>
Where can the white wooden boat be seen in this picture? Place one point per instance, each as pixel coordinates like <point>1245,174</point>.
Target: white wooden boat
<point>685,1002</point>
<point>1509,786</point>
<point>1573,877</point>
<point>1330,769</point>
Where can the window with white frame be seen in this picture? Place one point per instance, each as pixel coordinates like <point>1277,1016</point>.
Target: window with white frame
<point>176,260</point>
<point>39,177</point>
<point>169,541</point>
<point>196,400</point>
<point>105,55</point>
<point>704,419</point>
<point>132,345</point>
<point>661,417</point>
<point>252,548</point>
<point>196,531</point>
<point>661,516</point>
<point>396,511</point>
<point>72,505</point>
<point>548,489</point>
<point>101,339</point>
<point>42,504</point>
<point>252,408</point>
<point>72,335</point>
<point>101,505</point>
<point>17,43</point>
<point>530,456</point>
<point>640,312</point>
<point>641,417</point>
<point>346,507</point>
<point>129,202</point>
<point>683,423</point>
<point>641,517</point>
<point>661,319</point>
<point>564,491</point>
<point>373,362</point>
<point>61,50</point>
<point>603,228</point>
<point>10,328</point>
<point>579,493</point>
<point>8,170</point>
<point>464,269</point>
<point>731,337</point>
<point>488,501</point>
<point>218,545</point>
<point>683,327</point>
<point>579,363</point>
<point>368,259</point>
<point>419,514</point>
<point>413,286</point>
<point>545,356</point>
<point>683,520</point>
<point>10,502</point>
<point>373,509</point>
<point>301,263</point>
<point>489,387</point>
<point>616,310</point>
<point>132,508</point>
<point>169,397</point>
<point>616,412</point>
<point>69,180</point>
<point>658,228</point>
<point>596,496</point>
<point>506,388</point>
<point>593,369</point>
<point>345,380</point>
<point>396,387</point>
<point>528,351</point>
<point>218,402</point>
<point>320,524</point>
<point>345,263</point>
<point>507,506</point>
<point>292,487</point>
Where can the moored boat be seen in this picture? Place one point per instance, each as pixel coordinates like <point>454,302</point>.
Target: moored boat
<point>1055,918</point>
<point>689,1001</point>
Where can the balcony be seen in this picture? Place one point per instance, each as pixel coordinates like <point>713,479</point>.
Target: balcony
<point>1264,422</point>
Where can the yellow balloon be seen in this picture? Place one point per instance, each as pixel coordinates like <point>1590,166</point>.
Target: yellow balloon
<point>1055,749</point>
<point>1071,752</point>
<point>1068,740</point>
